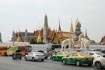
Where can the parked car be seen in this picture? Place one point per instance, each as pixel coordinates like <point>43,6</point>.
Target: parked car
<point>58,56</point>
<point>35,56</point>
<point>17,55</point>
<point>99,62</point>
<point>78,59</point>
<point>95,54</point>
<point>47,54</point>
<point>103,51</point>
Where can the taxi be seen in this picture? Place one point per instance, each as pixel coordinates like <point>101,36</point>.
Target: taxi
<point>58,56</point>
<point>78,58</point>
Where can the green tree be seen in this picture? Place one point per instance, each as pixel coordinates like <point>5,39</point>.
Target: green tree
<point>32,41</point>
<point>41,43</point>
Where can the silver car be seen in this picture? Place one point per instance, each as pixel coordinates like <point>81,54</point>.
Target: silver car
<point>35,56</point>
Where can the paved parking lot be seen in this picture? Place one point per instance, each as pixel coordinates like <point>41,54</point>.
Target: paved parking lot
<point>6,63</point>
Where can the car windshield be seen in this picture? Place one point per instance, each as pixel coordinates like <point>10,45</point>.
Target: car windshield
<point>99,53</point>
<point>84,54</point>
<point>57,49</point>
<point>66,52</point>
<point>38,53</point>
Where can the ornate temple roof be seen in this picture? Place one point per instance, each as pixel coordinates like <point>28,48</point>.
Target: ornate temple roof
<point>52,35</point>
<point>103,40</point>
<point>46,21</point>
<point>39,38</point>
<point>71,27</point>
<point>78,24</point>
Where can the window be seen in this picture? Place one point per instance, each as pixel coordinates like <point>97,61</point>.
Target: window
<point>74,54</point>
<point>84,54</point>
<point>60,53</point>
<point>91,53</point>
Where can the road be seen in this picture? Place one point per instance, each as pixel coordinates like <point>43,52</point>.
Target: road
<point>6,63</point>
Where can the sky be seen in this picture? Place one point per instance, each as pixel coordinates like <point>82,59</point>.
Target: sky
<point>18,15</point>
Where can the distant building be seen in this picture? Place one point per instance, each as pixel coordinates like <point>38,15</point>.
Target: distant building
<point>14,36</point>
<point>0,38</point>
<point>21,36</point>
<point>86,36</point>
<point>46,35</point>
<point>91,41</point>
<point>103,40</point>
<point>78,29</point>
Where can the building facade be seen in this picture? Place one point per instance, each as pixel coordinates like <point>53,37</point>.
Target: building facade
<point>47,35</point>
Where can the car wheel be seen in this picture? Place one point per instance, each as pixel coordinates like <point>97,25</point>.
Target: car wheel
<point>78,63</point>
<point>25,59</point>
<point>5,54</point>
<point>42,60</point>
<point>33,59</point>
<point>89,64</point>
<point>63,61</point>
<point>13,58</point>
<point>46,57</point>
<point>98,65</point>
<point>20,58</point>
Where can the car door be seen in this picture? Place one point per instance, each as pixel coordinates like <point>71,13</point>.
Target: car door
<point>60,56</point>
<point>57,57</point>
<point>68,60</point>
<point>73,58</point>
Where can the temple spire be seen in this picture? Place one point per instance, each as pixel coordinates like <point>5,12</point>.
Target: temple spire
<point>45,21</point>
<point>0,38</point>
<point>45,29</point>
<point>26,35</point>
<point>13,36</point>
<point>39,37</point>
<point>86,36</point>
<point>18,38</point>
<point>59,29</point>
<point>77,28</point>
<point>71,27</point>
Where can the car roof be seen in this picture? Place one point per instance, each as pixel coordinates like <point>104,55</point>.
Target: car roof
<point>35,52</point>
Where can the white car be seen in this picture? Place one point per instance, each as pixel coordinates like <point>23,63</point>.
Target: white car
<point>99,62</point>
<point>99,58</point>
<point>35,56</point>
<point>95,54</point>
